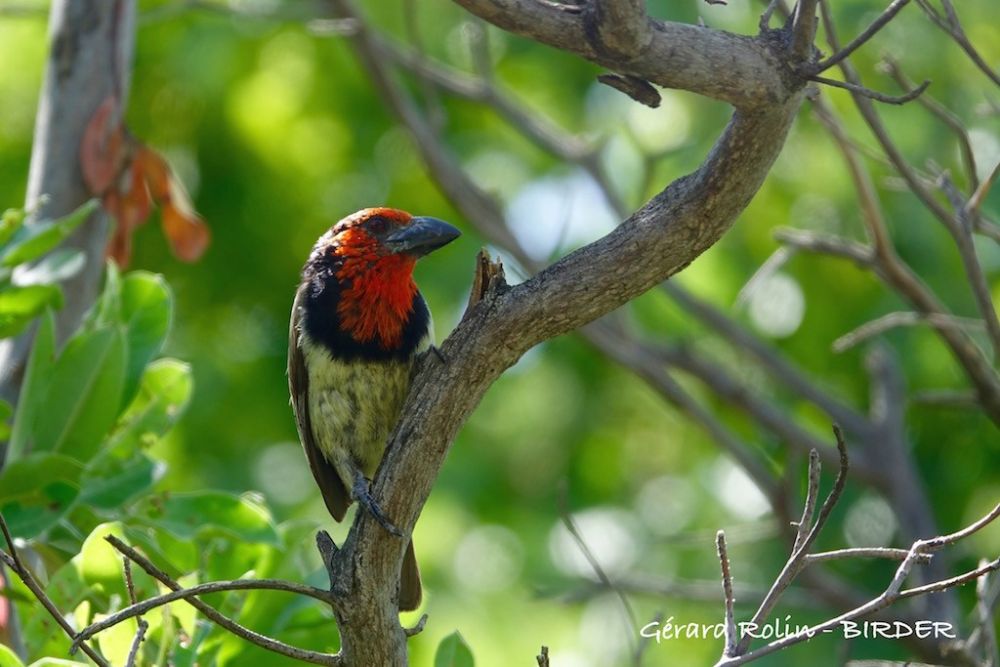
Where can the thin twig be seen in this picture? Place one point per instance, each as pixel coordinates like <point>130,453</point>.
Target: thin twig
<point>987,630</point>
<point>889,596</point>
<point>213,615</point>
<point>865,35</point>
<point>13,561</point>
<point>796,561</point>
<point>863,552</point>
<point>891,321</point>
<point>141,625</point>
<point>943,114</point>
<point>139,608</point>
<point>812,497</point>
<point>873,94</point>
<point>416,629</point>
<point>602,576</point>
<point>727,591</point>
<point>954,29</point>
<point>803,29</point>
<point>777,365</point>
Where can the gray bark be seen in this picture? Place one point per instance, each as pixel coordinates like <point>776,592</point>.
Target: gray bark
<point>661,238</point>
<point>89,41</point>
<point>91,44</point>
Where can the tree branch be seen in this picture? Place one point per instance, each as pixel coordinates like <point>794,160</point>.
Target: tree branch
<point>678,55</point>
<point>219,619</point>
<point>89,60</point>
<point>656,241</point>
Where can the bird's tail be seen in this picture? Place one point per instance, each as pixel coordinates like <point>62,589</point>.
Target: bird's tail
<point>410,591</point>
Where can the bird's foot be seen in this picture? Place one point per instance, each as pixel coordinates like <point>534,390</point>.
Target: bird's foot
<point>436,351</point>
<point>362,493</point>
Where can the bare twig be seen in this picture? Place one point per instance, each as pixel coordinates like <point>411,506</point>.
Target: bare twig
<point>796,561</point>
<point>776,364</point>
<point>863,552</point>
<point>219,619</point>
<point>543,657</point>
<point>141,626</point>
<point>827,244</point>
<point>727,590</point>
<point>892,593</point>
<point>987,630</point>
<point>873,94</point>
<point>13,561</point>
<point>809,506</point>
<point>602,576</point>
<point>954,29</point>
<point>869,32</point>
<point>139,608</point>
<point>418,628</point>
<point>944,114</point>
<point>803,29</point>
<point>903,319</point>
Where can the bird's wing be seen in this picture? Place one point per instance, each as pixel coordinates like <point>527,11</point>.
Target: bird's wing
<point>334,494</point>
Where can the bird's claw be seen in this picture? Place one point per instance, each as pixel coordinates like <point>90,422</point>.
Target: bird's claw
<point>436,351</point>
<point>362,493</point>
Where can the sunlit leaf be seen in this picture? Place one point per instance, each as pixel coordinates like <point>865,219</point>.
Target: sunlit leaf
<point>116,642</point>
<point>189,515</point>
<point>453,652</point>
<point>34,387</point>
<point>8,658</point>
<point>10,221</point>
<point>84,394</point>
<point>146,307</point>
<point>33,240</point>
<point>163,395</point>
<point>19,306</point>
<point>60,264</point>
<point>100,563</point>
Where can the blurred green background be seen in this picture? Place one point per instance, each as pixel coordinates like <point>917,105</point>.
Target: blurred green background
<point>277,134</point>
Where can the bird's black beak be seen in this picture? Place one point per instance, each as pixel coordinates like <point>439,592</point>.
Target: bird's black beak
<point>421,236</point>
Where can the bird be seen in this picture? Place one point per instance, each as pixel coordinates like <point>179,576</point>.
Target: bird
<point>357,327</point>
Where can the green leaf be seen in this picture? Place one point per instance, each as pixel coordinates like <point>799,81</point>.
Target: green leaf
<point>100,563</point>
<point>33,240</point>
<point>58,265</point>
<point>20,305</point>
<point>21,480</point>
<point>6,411</point>
<point>37,491</point>
<point>107,308</point>
<point>8,658</point>
<point>116,642</point>
<point>10,222</point>
<point>146,308</point>
<point>453,652</point>
<point>34,387</point>
<point>111,482</point>
<point>84,394</point>
<point>163,396</point>
<point>190,515</point>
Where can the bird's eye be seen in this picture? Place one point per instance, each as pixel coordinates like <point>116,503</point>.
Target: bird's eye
<point>378,225</point>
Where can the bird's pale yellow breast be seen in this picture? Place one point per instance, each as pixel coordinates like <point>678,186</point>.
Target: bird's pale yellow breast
<point>353,406</point>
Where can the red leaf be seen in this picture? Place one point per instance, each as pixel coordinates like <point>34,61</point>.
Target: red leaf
<point>103,148</point>
<point>187,233</point>
<point>130,177</point>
